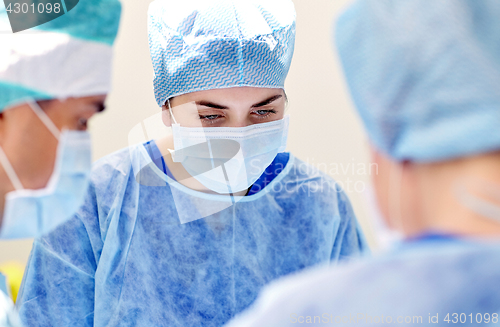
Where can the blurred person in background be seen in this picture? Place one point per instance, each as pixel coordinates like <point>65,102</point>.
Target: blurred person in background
<point>53,79</point>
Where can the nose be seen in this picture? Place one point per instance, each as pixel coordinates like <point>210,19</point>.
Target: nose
<point>240,120</point>
<point>242,123</point>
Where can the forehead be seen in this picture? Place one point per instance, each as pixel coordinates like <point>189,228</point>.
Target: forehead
<point>240,95</point>
<point>74,105</point>
<point>92,99</point>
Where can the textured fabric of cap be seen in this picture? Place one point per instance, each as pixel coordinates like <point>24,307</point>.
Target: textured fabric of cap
<point>69,56</point>
<point>212,44</point>
<point>425,75</point>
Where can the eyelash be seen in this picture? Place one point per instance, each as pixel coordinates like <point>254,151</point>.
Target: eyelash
<point>268,113</point>
<point>207,120</point>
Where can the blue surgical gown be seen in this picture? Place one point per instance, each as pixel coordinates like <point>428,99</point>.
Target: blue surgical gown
<point>432,281</point>
<point>130,257</point>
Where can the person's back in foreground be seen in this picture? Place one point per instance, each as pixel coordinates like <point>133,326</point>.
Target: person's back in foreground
<point>425,77</point>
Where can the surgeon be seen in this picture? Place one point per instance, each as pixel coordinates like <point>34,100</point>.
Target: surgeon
<point>185,230</point>
<point>425,78</point>
<point>53,79</point>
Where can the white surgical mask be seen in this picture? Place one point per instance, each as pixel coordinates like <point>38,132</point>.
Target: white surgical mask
<point>228,159</point>
<point>32,213</point>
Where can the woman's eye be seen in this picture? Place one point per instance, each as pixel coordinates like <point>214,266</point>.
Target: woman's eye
<point>264,113</point>
<point>209,117</point>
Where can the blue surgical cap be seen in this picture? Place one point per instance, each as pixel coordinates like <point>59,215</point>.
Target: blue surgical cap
<point>69,56</point>
<point>425,75</point>
<point>211,44</point>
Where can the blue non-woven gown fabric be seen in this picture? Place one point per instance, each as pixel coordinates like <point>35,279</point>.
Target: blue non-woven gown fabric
<point>431,282</point>
<point>424,75</point>
<point>126,259</point>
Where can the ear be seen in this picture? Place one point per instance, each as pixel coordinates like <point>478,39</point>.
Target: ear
<point>165,116</point>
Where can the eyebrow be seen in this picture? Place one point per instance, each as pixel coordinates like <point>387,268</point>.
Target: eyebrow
<point>257,105</point>
<point>210,105</point>
<point>267,101</point>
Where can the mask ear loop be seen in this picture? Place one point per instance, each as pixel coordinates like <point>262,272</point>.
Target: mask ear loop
<point>9,170</point>
<point>171,113</point>
<point>172,152</point>
<point>475,203</point>
<point>45,119</point>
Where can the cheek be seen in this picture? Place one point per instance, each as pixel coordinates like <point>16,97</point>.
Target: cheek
<point>44,153</point>
<point>67,115</point>
<point>63,119</point>
<point>37,159</point>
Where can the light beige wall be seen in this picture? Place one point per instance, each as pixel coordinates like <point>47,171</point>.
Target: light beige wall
<point>324,128</point>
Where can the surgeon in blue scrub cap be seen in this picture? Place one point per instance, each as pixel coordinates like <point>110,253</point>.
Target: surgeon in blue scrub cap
<point>425,78</point>
<point>185,230</point>
<point>53,79</point>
